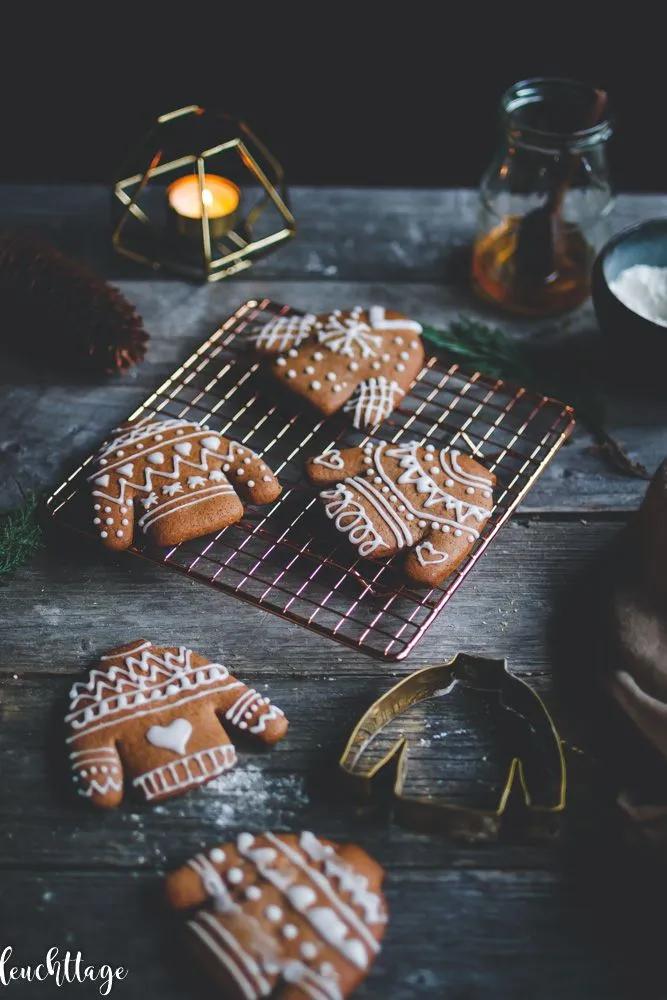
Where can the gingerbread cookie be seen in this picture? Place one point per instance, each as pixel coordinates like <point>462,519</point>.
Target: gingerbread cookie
<point>283,915</point>
<point>187,481</point>
<point>156,716</point>
<point>361,361</point>
<point>387,497</point>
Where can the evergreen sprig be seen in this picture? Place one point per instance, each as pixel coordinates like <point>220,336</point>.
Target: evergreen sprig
<point>20,535</point>
<point>489,349</point>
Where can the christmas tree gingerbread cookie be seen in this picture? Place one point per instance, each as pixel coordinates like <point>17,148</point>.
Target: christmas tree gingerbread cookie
<point>361,361</point>
<point>432,502</point>
<point>155,718</point>
<point>288,916</point>
<point>173,480</point>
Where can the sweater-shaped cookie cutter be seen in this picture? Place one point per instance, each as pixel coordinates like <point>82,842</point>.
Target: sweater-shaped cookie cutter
<point>535,757</point>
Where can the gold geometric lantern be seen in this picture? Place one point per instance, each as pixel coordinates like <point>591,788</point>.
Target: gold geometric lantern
<point>200,196</point>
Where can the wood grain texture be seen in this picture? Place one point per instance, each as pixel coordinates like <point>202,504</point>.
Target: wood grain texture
<point>523,917</point>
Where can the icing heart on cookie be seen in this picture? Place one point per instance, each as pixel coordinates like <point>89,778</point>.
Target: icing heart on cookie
<point>173,737</point>
<point>361,361</point>
<point>385,497</point>
<point>157,718</point>
<point>189,480</point>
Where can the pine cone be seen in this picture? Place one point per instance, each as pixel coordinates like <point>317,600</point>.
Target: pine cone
<point>54,310</point>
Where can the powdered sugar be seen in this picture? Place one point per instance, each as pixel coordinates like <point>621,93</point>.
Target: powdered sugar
<point>643,289</point>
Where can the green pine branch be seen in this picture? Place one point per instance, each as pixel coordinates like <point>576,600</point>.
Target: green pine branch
<point>20,535</point>
<point>477,346</point>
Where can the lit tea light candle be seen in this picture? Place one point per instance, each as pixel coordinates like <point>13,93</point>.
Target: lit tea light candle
<point>220,199</point>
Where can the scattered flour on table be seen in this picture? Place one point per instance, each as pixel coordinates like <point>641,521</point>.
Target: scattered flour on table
<point>643,289</point>
<point>251,790</point>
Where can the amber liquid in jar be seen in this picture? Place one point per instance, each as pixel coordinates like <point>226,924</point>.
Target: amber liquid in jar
<point>499,277</point>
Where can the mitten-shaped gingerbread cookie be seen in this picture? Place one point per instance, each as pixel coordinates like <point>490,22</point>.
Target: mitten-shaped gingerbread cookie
<point>362,361</point>
<point>283,915</point>
<point>187,481</point>
<point>157,717</point>
<point>386,497</point>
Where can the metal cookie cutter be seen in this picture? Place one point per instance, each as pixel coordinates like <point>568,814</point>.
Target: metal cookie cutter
<point>530,747</point>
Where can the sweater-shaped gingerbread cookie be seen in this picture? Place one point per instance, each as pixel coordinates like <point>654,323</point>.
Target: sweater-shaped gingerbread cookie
<point>387,497</point>
<point>283,915</point>
<point>155,717</point>
<point>174,480</point>
<point>361,361</point>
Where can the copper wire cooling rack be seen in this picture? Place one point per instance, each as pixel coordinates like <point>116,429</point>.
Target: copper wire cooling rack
<point>285,558</point>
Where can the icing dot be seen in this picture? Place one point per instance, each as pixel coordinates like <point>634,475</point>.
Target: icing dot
<point>251,483</point>
<point>281,361</point>
<point>367,460</point>
<point>317,356</point>
<point>309,370</point>
<point>470,489</point>
<point>336,312</point>
<point>471,538</point>
<point>376,366</point>
<point>458,532</point>
<point>130,503</point>
<point>109,520</point>
<point>290,931</point>
<point>446,527</point>
<point>292,353</point>
<point>386,357</point>
<point>449,482</point>
<point>486,494</point>
<point>273,913</point>
<point>308,949</point>
<point>327,969</point>
<point>125,521</point>
<point>123,509</point>
<point>400,367</point>
<point>435,526</point>
<point>247,461</point>
<point>96,506</point>
<point>235,875</point>
<point>173,689</point>
<point>434,470</point>
<point>103,534</point>
<point>291,373</point>
<point>84,773</point>
<point>429,447</point>
<point>336,388</point>
<point>103,461</point>
<point>107,510</point>
<point>393,498</point>
<point>243,725</point>
<point>240,472</point>
<point>353,366</point>
<point>315,385</point>
<point>157,437</point>
<point>404,356</point>
<point>217,855</point>
<point>422,524</point>
<point>120,453</point>
<point>253,892</point>
<point>370,472</point>
<point>96,520</point>
<point>332,376</point>
<point>266,479</point>
<point>377,480</point>
<point>180,431</point>
<point>225,467</point>
<point>385,489</point>
<point>119,534</point>
<point>414,345</point>
<point>398,340</point>
<point>402,507</point>
<point>140,446</point>
<point>409,516</point>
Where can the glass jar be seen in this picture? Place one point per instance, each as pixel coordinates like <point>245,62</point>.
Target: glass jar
<point>544,198</point>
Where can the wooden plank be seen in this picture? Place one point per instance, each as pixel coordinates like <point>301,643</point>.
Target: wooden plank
<point>357,234</point>
<point>48,422</point>
<point>469,933</point>
<point>80,601</point>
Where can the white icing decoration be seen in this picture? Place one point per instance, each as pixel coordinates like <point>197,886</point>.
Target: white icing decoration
<point>171,489</point>
<point>183,448</point>
<point>188,771</point>
<point>350,516</point>
<point>235,875</point>
<point>156,457</point>
<point>173,737</point>
<point>373,401</point>
<point>217,855</point>
<point>194,481</point>
<point>349,336</point>
<point>102,481</point>
<point>273,913</point>
<point>212,443</point>
<point>380,322</point>
<point>127,469</point>
<point>330,459</point>
<point>284,332</point>
<point>428,555</point>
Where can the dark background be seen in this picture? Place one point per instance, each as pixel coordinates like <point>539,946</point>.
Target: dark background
<point>352,94</point>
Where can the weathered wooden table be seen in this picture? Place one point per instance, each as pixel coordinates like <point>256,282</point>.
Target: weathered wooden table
<point>514,919</point>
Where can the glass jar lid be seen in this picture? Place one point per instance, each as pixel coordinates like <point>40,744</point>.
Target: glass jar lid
<point>553,114</point>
